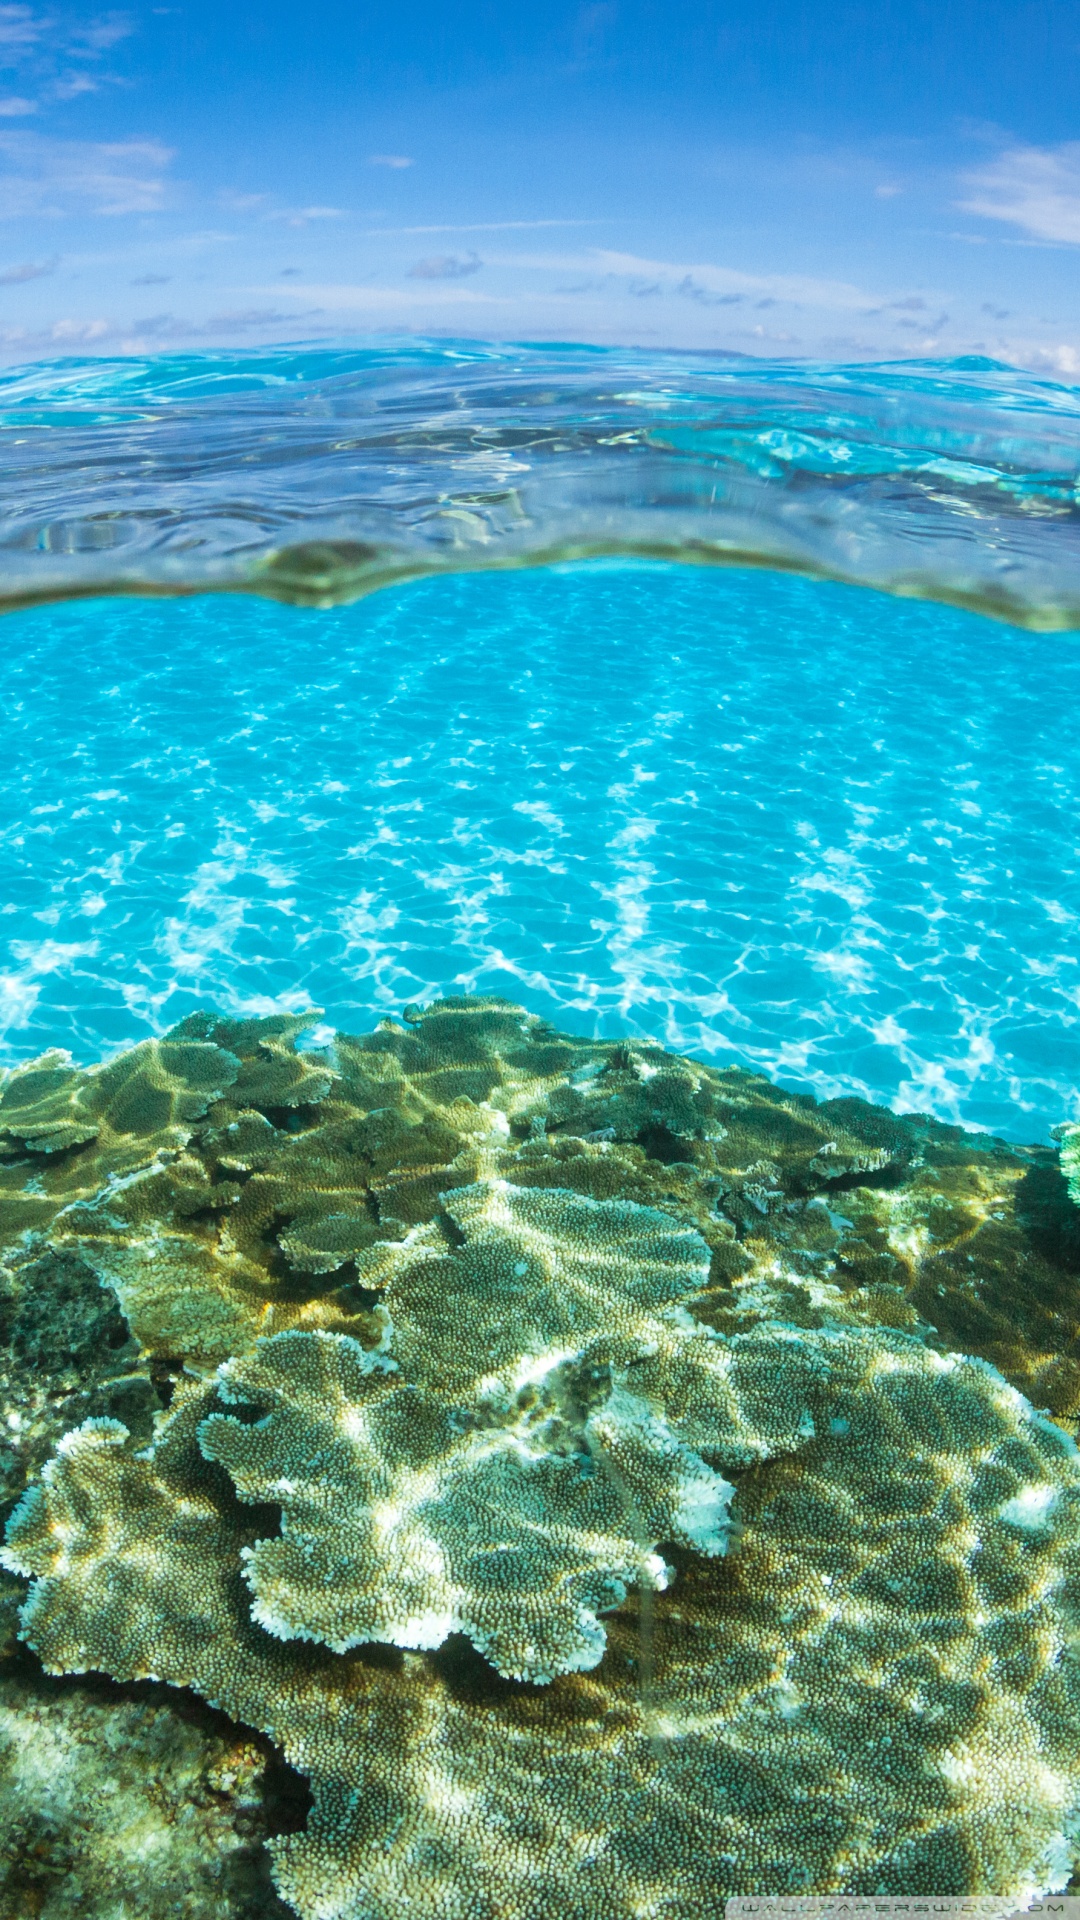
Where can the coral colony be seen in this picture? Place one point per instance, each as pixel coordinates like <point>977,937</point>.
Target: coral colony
<point>612,1482</point>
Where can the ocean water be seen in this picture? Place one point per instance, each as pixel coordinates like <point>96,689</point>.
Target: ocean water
<point>718,701</point>
<point>794,824</point>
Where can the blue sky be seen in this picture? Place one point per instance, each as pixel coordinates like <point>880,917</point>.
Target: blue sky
<point>837,179</point>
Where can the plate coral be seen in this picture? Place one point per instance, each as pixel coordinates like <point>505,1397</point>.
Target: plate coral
<point>613,1482</point>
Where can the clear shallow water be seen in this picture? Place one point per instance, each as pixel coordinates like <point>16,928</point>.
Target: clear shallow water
<point>763,818</point>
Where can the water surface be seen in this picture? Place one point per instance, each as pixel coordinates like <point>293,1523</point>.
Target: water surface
<point>314,475</point>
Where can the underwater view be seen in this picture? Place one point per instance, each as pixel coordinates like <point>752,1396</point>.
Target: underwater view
<point>539,1133</point>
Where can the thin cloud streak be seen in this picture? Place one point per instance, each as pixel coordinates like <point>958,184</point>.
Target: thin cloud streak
<point>479,226</point>
<point>20,30</point>
<point>1034,188</point>
<point>706,282</point>
<point>381,299</point>
<point>57,50</point>
<point>53,177</point>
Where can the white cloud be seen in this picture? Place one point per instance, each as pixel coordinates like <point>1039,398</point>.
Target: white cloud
<point>1035,188</point>
<point>97,36</point>
<point>24,33</point>
<point>476,226</point>
<point>1046,356</point>
<point>242,202</point>
<point>796,289</point>
<point>15,107</point>
<point>70,85</point>
<point>44,176</point>
<point>303,216</point>
<point>20,29</point>
<point>62,57</point>
<point>381,299</point>
<point>82,331</point>
<point>394,160</point>
<point>260,204</point>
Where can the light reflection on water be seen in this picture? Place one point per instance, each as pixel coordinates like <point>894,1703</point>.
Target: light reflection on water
<point>761,818</point>
<point>314,474</point>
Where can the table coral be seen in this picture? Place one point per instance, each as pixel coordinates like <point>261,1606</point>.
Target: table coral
<point>149,1094</point>
<point>66,1134</point>
<point>65,1354</point>
<point>541,1441</point>
<point>277,1197</point>
<point>878,1692</point>
<point>496,1331</point>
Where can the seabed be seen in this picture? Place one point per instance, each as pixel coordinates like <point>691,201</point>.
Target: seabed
<point>480,1470</point>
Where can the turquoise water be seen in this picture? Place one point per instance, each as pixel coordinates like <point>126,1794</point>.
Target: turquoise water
<point>760,818</point>
<point>756,807</point>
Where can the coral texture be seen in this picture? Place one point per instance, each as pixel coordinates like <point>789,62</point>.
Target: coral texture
<point>509,1465</point>
<point>1069,1137</point>
<point>65,1355</point>
<point>584,1464</point>
<point>123,1809</point>
<point>879,1691</point>
<point>277,1204</point>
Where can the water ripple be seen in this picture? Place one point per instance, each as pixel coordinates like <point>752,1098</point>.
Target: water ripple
<point>316,475</point>
<point>758,817</point>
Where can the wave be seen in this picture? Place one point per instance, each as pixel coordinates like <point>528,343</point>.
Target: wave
<point>315,475</point>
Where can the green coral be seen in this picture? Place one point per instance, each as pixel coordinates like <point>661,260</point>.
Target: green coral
<point>148,1094</point>
<point>65,1354</point>
<point>572,1467</point>
<point>541,1439</point>
<point>482,1492</point>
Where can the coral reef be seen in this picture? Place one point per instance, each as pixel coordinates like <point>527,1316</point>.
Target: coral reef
<point>606,1477</point>
<point>879,1691</point>
<point>65,1355</point>
<point>508,1467</point>
<point>1069,1137</point>
<point>275,1204</point>
<point>123,1808</point>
